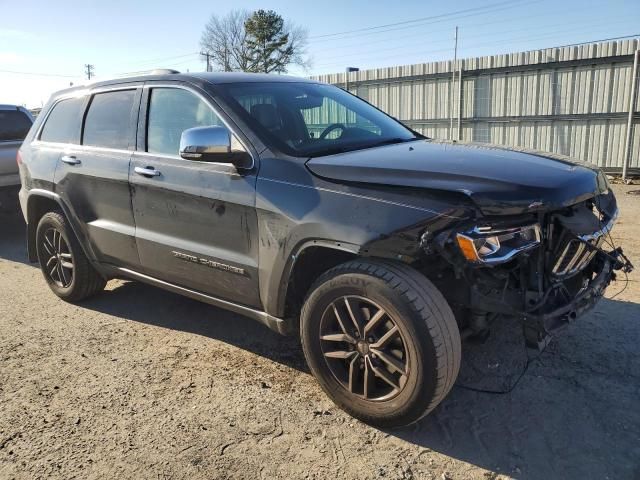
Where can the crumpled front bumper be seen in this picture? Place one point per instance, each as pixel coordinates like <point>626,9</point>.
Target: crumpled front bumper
<point>539,327</point>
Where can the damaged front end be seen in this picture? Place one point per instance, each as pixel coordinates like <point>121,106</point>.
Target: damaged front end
<point>547,268</point>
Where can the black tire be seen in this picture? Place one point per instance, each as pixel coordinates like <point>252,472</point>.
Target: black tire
<point>74,283</point>
<point>426,349</point>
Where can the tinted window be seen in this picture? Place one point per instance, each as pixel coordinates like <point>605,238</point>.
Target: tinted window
<point>108,119</point>
<point>14,125</point>
<point>63,123</point>
<point>172,111</point>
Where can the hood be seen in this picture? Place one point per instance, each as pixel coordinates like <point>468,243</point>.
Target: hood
<point>499,181</point>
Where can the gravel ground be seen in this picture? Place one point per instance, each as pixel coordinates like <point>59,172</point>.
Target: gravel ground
<point>140,383</point>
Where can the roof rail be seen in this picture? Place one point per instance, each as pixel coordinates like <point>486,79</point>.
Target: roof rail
<point>155,71</point>
<point>163,71</point>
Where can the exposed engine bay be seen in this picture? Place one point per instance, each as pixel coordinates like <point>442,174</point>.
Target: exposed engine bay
<point>546,269</point>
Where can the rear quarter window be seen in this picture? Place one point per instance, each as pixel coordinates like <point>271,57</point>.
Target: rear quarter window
<point>63,123</point>
<point>108,120</point>
<point>14,125</point>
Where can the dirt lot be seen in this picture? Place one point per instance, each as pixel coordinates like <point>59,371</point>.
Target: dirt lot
<point>140,383</point>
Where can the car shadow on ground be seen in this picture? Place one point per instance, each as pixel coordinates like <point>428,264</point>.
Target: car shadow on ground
<point>13,237</point>
<point>131,301</point>
<point>569,412</point>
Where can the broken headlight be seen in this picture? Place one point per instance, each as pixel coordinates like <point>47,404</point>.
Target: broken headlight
<point>489,246</point>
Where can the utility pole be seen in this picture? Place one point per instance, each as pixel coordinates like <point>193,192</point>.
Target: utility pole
<point>632,103</point>
<point>453,82</point>
<point>207,55</point>
<point>89,70</point>
<point>227,66</point>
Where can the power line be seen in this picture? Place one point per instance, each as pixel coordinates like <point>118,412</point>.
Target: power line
<point>624,37</point>
<point>160,59</point>
<point>417,20</point>
<point>416,23</point>
<point>488,9</point>
<point>498,42</point>
<point>439,50</point>
<point>405,47</point>
<point>526,38</point>
<point>452,19</point>
<point>143,72</point>
<point>421,33</point>
<point>184,62</point>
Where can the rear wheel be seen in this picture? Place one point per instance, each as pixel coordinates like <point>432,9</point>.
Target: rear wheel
<point>62,261</point>
<point>381,340</point>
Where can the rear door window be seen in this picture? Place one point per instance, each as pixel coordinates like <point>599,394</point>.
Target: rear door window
<point>171,112</point>
<point>63,123</point>
<point>14,125</point>
<point>108,120</point>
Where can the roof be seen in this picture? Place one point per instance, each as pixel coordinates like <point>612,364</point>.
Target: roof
<point>243,77</point>
<point>196,77</point>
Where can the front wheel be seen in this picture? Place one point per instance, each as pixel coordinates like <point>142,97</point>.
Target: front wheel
<point>381,340</point>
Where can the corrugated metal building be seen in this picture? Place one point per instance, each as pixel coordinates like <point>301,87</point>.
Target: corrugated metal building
<point>571,100</point>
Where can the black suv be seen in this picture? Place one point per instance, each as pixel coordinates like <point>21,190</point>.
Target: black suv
<point>311,211</point>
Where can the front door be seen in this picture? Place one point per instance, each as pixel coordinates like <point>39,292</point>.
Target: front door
<point>196,224</point>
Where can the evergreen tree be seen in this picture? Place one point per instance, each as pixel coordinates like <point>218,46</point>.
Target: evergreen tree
<point>268,42</point>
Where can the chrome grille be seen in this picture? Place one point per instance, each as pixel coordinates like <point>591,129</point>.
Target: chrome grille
<point>575,256</point>
<point>580,250</point>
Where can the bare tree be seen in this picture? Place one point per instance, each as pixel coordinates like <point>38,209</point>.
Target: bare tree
<point>224,39</point>
<point>229,47</point>
<point>298,41</point>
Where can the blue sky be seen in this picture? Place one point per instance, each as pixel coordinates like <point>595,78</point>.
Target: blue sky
<point>39,37</point>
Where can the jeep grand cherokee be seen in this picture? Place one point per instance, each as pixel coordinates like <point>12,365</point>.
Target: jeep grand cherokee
<point>311,211</point>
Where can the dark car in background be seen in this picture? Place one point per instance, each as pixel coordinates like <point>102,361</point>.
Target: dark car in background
<point>304,207</point>
<point>15,122</point>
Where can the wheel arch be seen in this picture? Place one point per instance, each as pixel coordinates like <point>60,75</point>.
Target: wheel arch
<point>313,257</point>
<point>39,202</point>
<point>310,260</point>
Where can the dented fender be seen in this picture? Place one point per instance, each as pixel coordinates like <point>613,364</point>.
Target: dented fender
<point>297,210</point>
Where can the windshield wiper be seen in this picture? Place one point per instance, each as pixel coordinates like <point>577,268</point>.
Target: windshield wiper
<point>391,141</point>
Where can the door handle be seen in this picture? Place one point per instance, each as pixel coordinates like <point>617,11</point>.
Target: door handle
<point>147,171</point>
<point>70,160</point>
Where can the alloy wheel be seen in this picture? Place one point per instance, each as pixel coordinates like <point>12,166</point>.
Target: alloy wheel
<point>364,348</point>
<point>59,261</point>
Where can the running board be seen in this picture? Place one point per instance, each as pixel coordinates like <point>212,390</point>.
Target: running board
<point>274,323</point>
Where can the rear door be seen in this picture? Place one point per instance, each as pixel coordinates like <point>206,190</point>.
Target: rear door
<point>93,177</point>
<point>196,224</point>
<point>59,131</point>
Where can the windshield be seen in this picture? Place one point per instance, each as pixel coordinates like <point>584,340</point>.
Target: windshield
<point>312,120</point>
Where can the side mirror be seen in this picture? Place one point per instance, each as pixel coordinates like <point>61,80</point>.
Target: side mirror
<point>213,144</point>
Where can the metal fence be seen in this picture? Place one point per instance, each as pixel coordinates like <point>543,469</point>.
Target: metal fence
<point>574,100</point>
